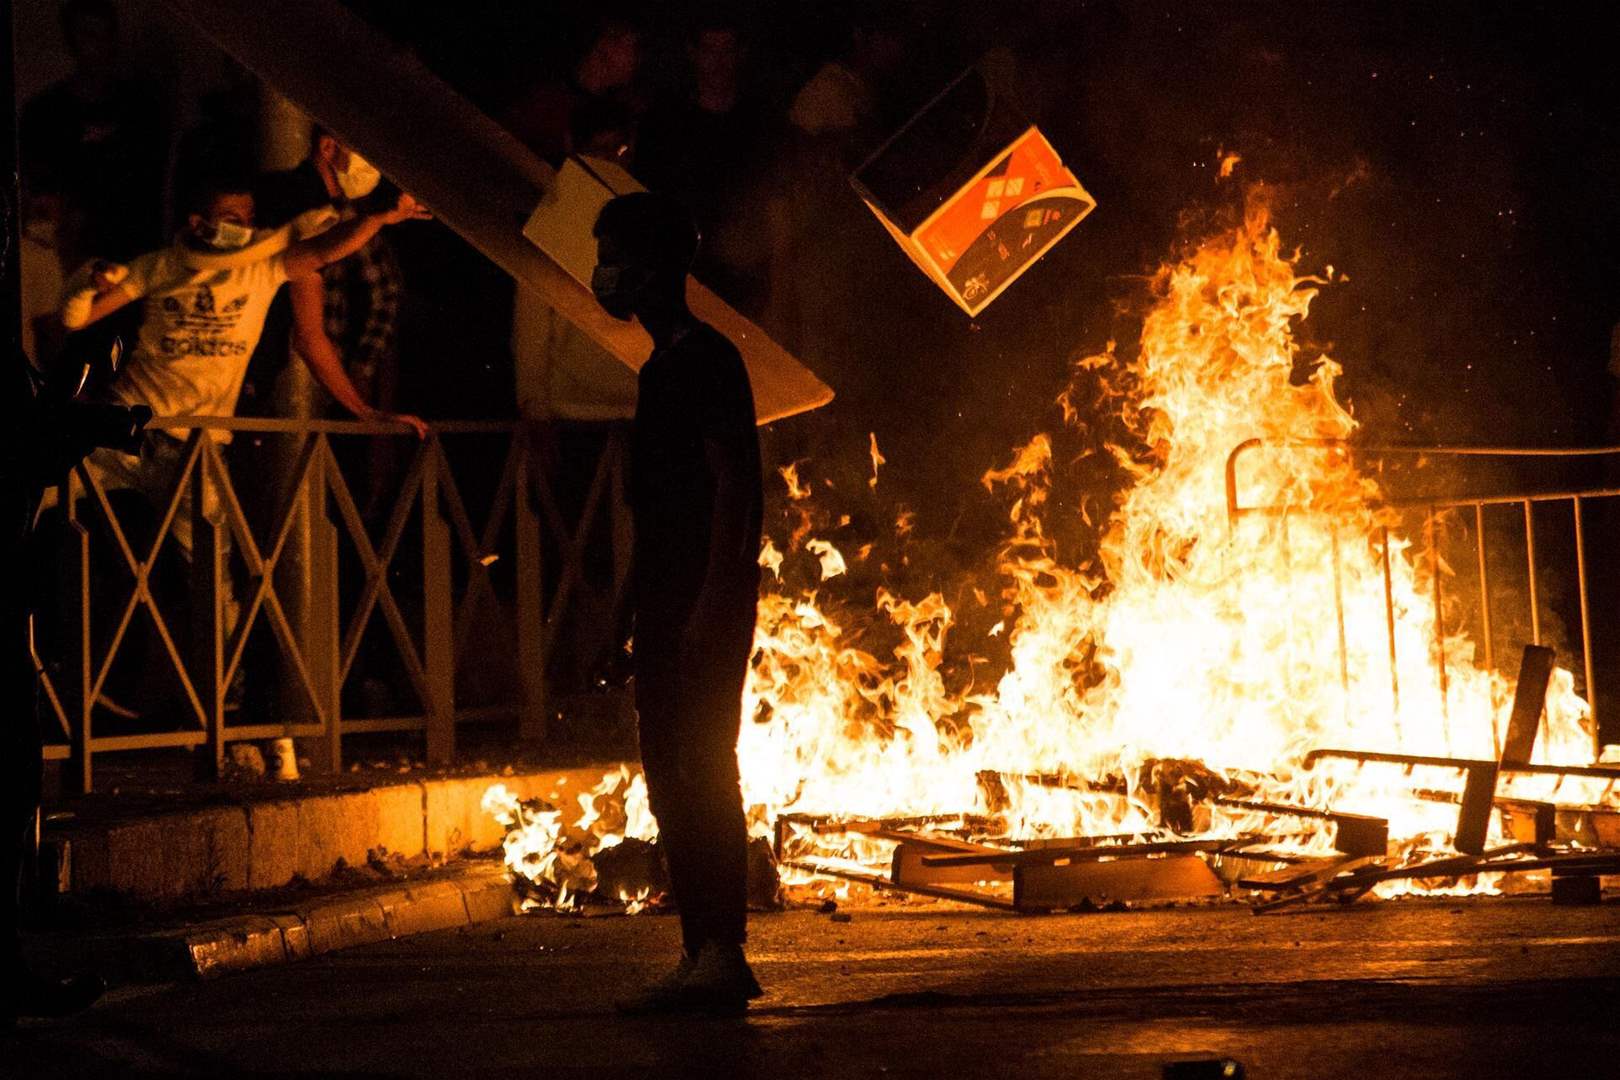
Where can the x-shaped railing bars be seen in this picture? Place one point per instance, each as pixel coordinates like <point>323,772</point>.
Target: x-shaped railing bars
<point>53,699</point>
<point>478,550</point>
<point>376,592</point>
<point>523,501</point>
<point>261,566</point>
<point>141,569</point>
<point>572,542</point>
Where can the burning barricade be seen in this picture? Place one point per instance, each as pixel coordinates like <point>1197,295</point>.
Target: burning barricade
<point>1250,686</point>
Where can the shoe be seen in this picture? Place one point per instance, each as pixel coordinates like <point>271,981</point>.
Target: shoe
<point>661,997</point>
<point>721,982</point>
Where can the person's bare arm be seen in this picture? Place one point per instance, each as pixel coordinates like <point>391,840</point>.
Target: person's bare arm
<point>322,357</point>
<point>105,294</point>
<point>341,241</point>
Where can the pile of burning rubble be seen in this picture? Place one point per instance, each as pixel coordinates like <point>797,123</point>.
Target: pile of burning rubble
<point>1204,709</point>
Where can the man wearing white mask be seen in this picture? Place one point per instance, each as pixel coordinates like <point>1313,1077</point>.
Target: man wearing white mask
<point>204,301</point>
<point>344,322</point>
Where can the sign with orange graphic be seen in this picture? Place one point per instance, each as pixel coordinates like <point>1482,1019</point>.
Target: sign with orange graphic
<point>996,225</point>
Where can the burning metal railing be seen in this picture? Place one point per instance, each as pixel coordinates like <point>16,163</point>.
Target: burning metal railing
<point>1202,705</point>
<point>1576,500</point>
<point>453,597</point>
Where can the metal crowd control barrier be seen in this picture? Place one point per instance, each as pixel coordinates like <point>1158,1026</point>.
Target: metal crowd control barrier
<point>320,648</point>
<point>1525,501</point>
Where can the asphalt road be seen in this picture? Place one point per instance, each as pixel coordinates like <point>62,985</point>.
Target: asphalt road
<point>1509,988</point>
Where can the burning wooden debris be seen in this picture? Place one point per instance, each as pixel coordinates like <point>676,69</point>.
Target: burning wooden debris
<point>1253,688</point>
<point>950,856</point>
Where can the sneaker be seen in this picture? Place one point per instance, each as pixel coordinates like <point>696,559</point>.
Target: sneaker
<point>721,981</point>
<point>664,996</point>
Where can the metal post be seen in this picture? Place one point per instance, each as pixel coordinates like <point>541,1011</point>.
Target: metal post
<point>1338,610</point>
<point>321,632</point>
<point>1530,559</point>
<point>1389,619</point>
<point>207,619</point>
<point>75,592</point>
<point>438,616</point>
<point>1485,617</point>
<point>531,622</point>
<point>1439,629</point>
<point>283,143</point>
<point>1586,627</point>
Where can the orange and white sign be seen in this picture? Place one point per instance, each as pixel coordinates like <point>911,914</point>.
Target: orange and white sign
<point>997,224</point>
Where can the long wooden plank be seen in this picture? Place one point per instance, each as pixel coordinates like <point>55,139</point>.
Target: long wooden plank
<point>1529,699</point>
<point>479,180</point>
<point>908,868</point>
<point>1354,834</point>
<point>1479,791</point>
<point>1041,856</point>
<point>965,896</point>
<point>1056,888</point>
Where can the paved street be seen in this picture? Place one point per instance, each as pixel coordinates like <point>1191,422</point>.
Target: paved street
<point>1511,988</point>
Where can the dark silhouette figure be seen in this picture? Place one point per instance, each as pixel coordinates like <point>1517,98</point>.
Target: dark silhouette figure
<point>696,504</point>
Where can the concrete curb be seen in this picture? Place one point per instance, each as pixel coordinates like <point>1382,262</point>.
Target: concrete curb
<point>245,942</point>
<point>268,840</point>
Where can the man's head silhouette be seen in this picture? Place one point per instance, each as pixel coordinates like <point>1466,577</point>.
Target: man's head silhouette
<point>645,244</point>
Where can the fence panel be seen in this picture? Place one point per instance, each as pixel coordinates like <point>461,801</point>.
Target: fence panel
<point>319,643</point>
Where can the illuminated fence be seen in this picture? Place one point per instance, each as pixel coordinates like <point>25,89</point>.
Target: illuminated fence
<point>1502,528</point>
<point>503,587</point>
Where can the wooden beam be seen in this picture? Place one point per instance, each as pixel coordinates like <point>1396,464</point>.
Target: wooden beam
<point>908,867</point>
<point>1354,834</point>
<point>1529,700</point>
<point>1052,855</point>
<point>965,896</point>
<point>1039,887</point>
<point>478,179</point>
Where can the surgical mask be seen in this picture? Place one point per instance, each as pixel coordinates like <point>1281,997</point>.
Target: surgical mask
<point>616,288</point>
<point>358,178</point>
<point>226,235</point>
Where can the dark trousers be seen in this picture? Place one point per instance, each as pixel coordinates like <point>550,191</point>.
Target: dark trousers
<point>689,700</point>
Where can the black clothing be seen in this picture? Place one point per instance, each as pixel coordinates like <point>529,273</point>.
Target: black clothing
<point>280,196</point>
<point>695,390</point>
<point>689,678</point>
<point>710,163</point>
<point>107,157</point>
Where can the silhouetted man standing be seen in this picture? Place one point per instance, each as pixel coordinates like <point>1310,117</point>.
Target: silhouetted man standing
<point>696,502</point>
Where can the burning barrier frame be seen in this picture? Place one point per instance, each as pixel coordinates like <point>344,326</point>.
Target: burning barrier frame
<point>456,587</point>
<point>1525,500</point>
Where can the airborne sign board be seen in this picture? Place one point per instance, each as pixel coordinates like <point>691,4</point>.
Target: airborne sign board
<point>972,192</point>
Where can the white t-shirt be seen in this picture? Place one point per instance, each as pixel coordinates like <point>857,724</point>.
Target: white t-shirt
<point>198,329</point>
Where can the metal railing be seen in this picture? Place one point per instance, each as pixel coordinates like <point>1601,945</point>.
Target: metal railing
<point>318,633</point>
<point>1577,500</point>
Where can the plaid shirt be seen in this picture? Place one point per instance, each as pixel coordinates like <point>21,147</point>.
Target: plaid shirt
<point>362,311</point>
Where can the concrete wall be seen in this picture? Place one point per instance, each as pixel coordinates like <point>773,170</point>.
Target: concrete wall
<point>268,843</point>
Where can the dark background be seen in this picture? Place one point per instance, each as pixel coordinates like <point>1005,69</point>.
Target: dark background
<point>1457,161</point>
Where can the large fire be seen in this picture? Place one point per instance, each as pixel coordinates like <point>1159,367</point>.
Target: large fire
<point>1190,638</point>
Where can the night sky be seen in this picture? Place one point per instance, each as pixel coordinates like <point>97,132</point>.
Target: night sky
<point>1458,162</point>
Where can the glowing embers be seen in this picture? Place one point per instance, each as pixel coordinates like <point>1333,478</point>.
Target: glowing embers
<point>603,853</point>
<point>1165,676</point>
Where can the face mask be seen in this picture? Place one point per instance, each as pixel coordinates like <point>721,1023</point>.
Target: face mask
<point>616,288</point>
<point>359,178</point>
<point>226,235</point>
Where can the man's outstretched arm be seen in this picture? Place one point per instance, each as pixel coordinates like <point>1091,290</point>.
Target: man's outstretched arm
<point>341,241</point>
<point>106,292</point>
